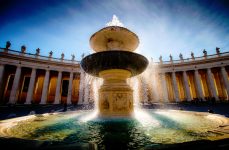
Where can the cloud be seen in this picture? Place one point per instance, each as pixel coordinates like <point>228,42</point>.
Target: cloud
<point>163,27</point>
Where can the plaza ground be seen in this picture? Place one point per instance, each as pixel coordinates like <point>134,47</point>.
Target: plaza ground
<point>11,111</point>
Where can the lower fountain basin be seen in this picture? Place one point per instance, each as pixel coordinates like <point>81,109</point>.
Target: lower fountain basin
<point>97,62</point>
<point>151,128</point>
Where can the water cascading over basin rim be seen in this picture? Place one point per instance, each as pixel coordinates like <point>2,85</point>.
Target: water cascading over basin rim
<point>100,61</point>
<point>127,39</point>
<point>114,62</point>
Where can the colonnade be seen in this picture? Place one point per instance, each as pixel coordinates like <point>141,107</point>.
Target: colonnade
<point>48,86</point>
<point>200,84</point>
<point>43,86</point>
<point>25,78</point>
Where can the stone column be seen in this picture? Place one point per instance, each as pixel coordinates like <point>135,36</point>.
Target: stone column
<point>175,87</point>
<point>1,73</point>
<point>45,88</point>
<point>58,86</point>
<point>86,94</point>
<point>31,87</point>
<point>164,88</point>
<point>13,93</point>
<point>187,89</point>
<point>69,98</point>
<point>81,88</point>
<point>212,85</point>
<point>1,78</point>
<point>225,79</point>
<point>198,84</point>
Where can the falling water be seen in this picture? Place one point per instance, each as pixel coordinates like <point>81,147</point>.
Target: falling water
<point>134,83</point>
<point>97,82</point>
<point>144,89</point>
<point>86,88</point>
<point>92,95</point>
<point>151,75</point>
<point>145,86</point>
<point>81,87</point>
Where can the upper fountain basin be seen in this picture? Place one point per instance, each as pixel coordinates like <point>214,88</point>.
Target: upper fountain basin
<point>114,38</point>
<point>97,62</point>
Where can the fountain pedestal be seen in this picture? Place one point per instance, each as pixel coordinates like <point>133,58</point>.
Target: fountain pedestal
<point>115,95</point>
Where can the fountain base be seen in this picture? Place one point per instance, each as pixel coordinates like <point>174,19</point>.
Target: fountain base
<point>115,95</point>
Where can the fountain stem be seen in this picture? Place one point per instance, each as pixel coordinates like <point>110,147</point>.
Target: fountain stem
<point>115,95</point>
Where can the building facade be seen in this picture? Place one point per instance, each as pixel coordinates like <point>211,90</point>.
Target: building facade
<point>34,79</point>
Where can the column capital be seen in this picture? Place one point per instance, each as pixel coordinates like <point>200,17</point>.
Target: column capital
<point>33,68</point>
<point>223,67</point>
<point>209,69</point>
<point>18,66</point>
<point>185,71</point>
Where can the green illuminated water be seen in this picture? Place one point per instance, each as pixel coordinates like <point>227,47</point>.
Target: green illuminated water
<point>144,128</point>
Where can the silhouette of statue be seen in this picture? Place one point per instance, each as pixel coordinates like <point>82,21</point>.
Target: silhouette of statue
<point>160,58</point>
<point>37,51</point>
<point>181,56</point>
<point>50,54</point>
<point>73,57</point>
<point>217,50</point>
<point>205,53</point>
<point>192,55</point>
<point>62,56</point>
<point>23,48</point>
<point>8,44</point>
<point>171,57</point>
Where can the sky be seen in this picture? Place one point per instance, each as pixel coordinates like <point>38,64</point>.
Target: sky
<point>164,27</point>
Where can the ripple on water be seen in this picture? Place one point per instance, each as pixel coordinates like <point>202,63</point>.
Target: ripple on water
<point>150,127</point>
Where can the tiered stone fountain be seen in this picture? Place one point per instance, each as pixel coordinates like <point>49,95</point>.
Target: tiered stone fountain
<point>114,61</point>
<point>147,129</point>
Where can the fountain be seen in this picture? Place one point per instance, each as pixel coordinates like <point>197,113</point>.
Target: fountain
<point>145,129</point>
<point>114,61</point>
